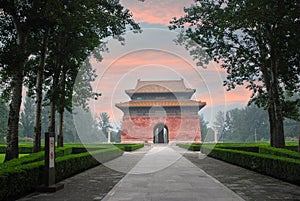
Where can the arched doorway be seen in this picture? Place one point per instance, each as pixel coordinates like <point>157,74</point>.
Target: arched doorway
<point>161,133</point>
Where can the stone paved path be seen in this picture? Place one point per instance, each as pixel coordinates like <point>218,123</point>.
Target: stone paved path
<point>250,185</point>
<point>164,174</point>
<point>161,173</point>
<point>94,183</point>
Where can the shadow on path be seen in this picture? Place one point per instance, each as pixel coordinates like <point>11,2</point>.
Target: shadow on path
<point>250,185</point>
<point>162,173</point>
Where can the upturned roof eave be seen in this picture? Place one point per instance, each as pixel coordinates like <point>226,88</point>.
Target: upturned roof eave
<point>132,91</point>
<point>118,105</point>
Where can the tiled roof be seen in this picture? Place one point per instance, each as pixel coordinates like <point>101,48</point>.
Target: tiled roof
<point>164,86</point>
<point>162,103</point>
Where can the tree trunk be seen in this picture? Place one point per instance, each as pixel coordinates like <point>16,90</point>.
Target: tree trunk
<point>61,129</point>
<point>299,136</point>
<point>275,109</point>
<point>275,112</point>
<point>62,108</point>
<point>271,113</point>
<point>271,121</point>
<point>12,149</point>
<point>270,74</point>
<point>53,99</point>
<point>51,126</point>
<point>39,96</point>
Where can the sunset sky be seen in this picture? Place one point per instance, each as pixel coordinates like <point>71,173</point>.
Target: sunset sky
<point>153,55</point>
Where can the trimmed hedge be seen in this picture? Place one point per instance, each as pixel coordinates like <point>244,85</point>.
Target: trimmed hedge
<point>276,166</point>
<point>78,150</point>
<point>17,180</point>
<point>129,147</point>
<point>241,148</point>
<point>63,151</point>
<point>72,164</point>
<point>191,147</point>
<point>292,148</point>
<point>23,149</point>
<point>237,146</point>
<point>279,152</point>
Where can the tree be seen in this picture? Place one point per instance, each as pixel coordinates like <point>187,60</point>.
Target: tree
<point>81,31</point>
<point>18,18</point>
<point>25,27</point>
<point>296,97</point>
<point>203,127</point>
<point>257,42</point>
<point>39,90</point>
<point>291,128</point>
<point>3,120</point>
<point>222,124</point>
<point>104,123</point>
<point>67,91</point>
<point>70,132</point>
<point>115,136</point>
<point>27,118</point>
<point>219,123</point>
<point>45,118</point>
<point>86,125</point>
<point>247,124</point>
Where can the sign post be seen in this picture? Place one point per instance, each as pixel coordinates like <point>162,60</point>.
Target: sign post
<point>49,159</point>
<point>49,173</point>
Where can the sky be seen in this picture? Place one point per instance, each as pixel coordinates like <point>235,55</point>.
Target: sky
<point>153,55</point>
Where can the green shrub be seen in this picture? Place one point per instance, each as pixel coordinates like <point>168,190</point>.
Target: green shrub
<point>292,148</point>
<point>242,148</point>
<point>19,178</point>
<point>78,150</point>
<point>34,157</point>
<point>15,181</point>
<point>252,144</point>
<point>129,147</point>
<point>279,167</point>
<point>279,152</point>
<point>72,164</point>
<point>184,146</point>
<point>23,149</point>
<point>191,147</point>
<point>251,147</point>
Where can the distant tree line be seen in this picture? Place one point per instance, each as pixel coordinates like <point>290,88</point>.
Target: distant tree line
<point>248,124</point>
<point>26,124</point>
<point>97,132</point>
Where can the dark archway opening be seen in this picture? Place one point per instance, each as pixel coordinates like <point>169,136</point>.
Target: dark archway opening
<point>161,133</point>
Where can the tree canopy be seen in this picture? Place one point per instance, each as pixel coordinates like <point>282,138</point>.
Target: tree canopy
<point>257,42</point>
<point>45,42</point>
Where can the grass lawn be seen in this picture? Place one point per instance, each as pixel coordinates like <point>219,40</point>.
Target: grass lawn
<point>2,156</point>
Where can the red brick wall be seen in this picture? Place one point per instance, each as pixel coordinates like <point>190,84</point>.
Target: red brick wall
<point>181,128</point>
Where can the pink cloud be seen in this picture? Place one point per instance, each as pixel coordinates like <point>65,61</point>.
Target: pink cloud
<point>240,95</point>
<point>156,12</point>
<point>123,74</point>
<point>117,75</point>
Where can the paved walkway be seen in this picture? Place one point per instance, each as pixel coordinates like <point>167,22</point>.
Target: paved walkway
<point>162,173</point>
<point>250,185</point>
